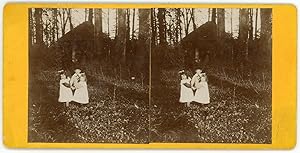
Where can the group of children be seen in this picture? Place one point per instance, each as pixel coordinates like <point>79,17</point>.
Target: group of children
<point>195,89</point>
<point>74,88</point>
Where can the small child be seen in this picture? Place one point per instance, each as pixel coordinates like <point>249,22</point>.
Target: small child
<point>202,92</point>
<point>75,78</point>
<point>65,92</point>
<point>186,92</point>
<point>81,92</point>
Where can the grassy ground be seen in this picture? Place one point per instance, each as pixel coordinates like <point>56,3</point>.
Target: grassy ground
<point>237,113</point>
<point>117,112</point>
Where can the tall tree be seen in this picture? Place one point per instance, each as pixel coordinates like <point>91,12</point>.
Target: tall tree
<point>55,25</point>
<point>187,20</point>
<point>90,16</point>
<point>162,25</point>
<point>221,29</point>
<point>214,15</point>
<point>193,18</point>
<point>231,22</point>
<point>85,14</point>
<point>108,22</point>
<point>153,27</point>
<point>133,19</point>
<point>38,25</point>
<point>116,28</point>
<point>250,24</point>
<point>157,53</point>
<point>127,26</point>
<point>255,29</point>
<point>63,20</point>
<point>127,36</point>
<point>243,33</point>
<point>266,32</point>
<point>221,22</point>
<point>144,42</point>
<point>208,14</point>
<point>121,37</point>
<point>178,25</point>
<point>70,18</point>
<point>98,31</point>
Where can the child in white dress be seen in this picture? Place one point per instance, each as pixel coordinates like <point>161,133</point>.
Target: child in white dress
<point>201,87</point>
<point>81,92</point>
<point>65,92</point>
<point>186,92</point>
<point>75,78</point>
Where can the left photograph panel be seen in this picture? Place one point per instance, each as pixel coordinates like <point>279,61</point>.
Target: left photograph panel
<point>88,75</point>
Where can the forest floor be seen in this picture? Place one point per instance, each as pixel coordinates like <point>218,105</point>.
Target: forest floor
<point>237,113</point>
<point>118,112</point>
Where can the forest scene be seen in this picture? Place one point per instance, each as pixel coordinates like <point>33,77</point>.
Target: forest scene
<point>234,48</point>
<point>116,66</point>
<point>131,58</point>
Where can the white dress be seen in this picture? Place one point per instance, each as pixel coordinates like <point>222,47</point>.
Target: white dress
<point>65,93</point>
<point>74,79</point>
<point>186,94</point>
<point>81,94</point>
<point>202,93</point>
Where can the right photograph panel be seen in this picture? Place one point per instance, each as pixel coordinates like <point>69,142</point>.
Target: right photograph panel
<point>211,75</point>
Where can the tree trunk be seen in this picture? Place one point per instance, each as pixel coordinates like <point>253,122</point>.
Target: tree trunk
<point>108,22</point>
<point>266,35</point>
<point>221,22</point>
<point>193,18</point>
<point>116,31</point>
<point>208,17</point>
<point>70,18</point>
<point>63,20</point>
<point>157,53</point>
<point>187,20</point>
<point>85,14</point>
<point>178,22</point>
<point>98,31</point>
<point>162,25</point>
<point>127,28</point>
<point>144,42</point>
<point>231,28</point>
<point>213,15</point>
<point>38,25</point>
<point>250,24</point>
<point>90,17</point>
<point>121,38</point>
<point>133,18</point>
<point>243,34</point>
<point>221,30</point>
<point>153,27</point>
<point>255,29</point>
<point>55,26</point>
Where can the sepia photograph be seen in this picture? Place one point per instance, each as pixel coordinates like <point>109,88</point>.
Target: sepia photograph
<point>155,75</point>
<point>89,75</point>
<point>211,75</point>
